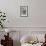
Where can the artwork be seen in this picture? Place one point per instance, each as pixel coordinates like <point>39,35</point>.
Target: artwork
<point>23,11</point>
<point>2,19</point>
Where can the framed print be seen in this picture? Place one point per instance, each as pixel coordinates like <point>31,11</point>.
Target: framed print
<point>23,11</point>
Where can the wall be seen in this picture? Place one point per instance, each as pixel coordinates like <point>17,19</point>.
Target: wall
<point>36,13</point>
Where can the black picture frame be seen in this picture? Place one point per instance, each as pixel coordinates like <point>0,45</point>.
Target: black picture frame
<point>24,11</point>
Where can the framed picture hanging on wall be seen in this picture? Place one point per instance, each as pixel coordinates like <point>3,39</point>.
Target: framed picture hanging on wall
<point>23,11</point>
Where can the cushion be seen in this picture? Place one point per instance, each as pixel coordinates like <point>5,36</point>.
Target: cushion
<point>26,39</point>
